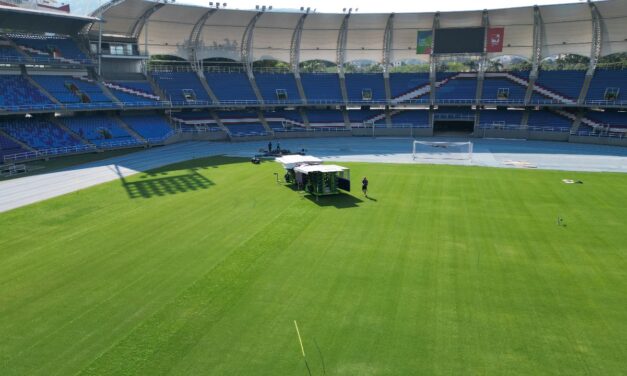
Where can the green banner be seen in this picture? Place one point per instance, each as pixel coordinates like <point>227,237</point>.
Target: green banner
<point>425,39</point>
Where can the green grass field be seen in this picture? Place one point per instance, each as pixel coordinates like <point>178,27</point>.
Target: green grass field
<point>202,268</point>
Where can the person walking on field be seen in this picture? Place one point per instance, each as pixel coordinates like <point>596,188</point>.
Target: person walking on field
<point>364,186</point>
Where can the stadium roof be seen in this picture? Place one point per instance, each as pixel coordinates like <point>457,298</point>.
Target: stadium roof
<point>31,20</point>
<point>179,30</point>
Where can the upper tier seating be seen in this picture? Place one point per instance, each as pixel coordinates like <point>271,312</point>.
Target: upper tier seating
<point>8,53</point>
<point>8,147</point>
<point>410,117</point>
<point>322,87</point>
<point>150,126</point>
<point>565,83</point>
<point>176,84</point>
<point>39,134</point>
<point>230,86</point>
<point>503,88</point>
<point>356,83</point>
<point>456,88</point>
<point>17,91</point>
<point>133,91</point>
<point>604,80</point>
<point>613,119</point>
<point>100,130</point>
<point>39,46</point>
<point>269,83</point>
<point>404,83</point>
<point>501,117</point>
<point>73,90</point>
<point>548,119</point>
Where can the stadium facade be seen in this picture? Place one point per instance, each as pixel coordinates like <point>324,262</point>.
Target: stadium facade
<point>153,73</point>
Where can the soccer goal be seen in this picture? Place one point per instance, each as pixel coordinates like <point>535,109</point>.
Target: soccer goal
<point>442,150</point>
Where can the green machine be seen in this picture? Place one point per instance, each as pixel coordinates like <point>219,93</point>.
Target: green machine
<point>322,180</point>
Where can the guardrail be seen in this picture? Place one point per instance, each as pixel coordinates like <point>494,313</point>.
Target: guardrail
<point>45,153</point>
<point>44,60</point>
<point>618,135</point>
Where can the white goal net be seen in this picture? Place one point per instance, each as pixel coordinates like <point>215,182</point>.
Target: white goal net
<point>442,150</point>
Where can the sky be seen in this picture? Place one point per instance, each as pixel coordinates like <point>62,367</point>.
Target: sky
<point>336,6</point>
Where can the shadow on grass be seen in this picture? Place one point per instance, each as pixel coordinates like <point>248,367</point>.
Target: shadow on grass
<point>156,185</point>
<point>340,201</point>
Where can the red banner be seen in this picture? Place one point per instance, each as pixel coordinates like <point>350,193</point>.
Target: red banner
<point>495,39</point>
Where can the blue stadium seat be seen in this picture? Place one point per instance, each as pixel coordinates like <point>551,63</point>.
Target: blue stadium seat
<point>566,83</point>
<point>133,92</point>
<point>356,83</point>
<point>322,117</point>
<point>322,87</point>
<point>8,147</point>
<point>176,84</point>
<point>501,88</point>
<point>403,83</point>
<point>39,134</point>
<point>411,117</point>
<point>548,119</point>
<point>17,91</point>
<point>70,90</point>
<point>456,88</point>
<point>607,79</point>
<point>149,126</point>
<point>269,83</point>
<point>614,119</point>
<point>57,47</point>
<point>361,116</point>
<point>501,117</point>
<point>230,86</point>
<point>242,123</point>
<point>99,129</point>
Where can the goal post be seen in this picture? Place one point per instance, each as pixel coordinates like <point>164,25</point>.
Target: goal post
<point>442,150</point>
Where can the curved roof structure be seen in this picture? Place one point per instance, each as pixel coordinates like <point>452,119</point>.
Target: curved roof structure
<point>190,31</point>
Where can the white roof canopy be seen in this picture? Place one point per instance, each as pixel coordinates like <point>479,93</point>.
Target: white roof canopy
<point>319,168</point>
<point>291,161</point>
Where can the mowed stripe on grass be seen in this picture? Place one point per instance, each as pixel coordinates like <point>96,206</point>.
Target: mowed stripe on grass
<point>202,267</point>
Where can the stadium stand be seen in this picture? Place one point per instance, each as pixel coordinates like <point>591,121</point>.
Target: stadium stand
<point>181,87</point>
<point>608,85</point>
<point>325,118</point>
<point>8,147</point>
<point>46,46</point>
<point>322,87</point>
<point>403,84</point>
<point>612,119</point>
<point>242,123</point>
<point>566,83</point>
<point>39,134</point>
<point>148,126</point>
<point>284,121</point>
<point>8,53</point>
<point>133,92</point>
<point>101,130</point>
<point>363,116</point>
<point>365,87</point>
<point>68,90</point>
<point>510,118</point>
<point>17,91</point>
<point>411,117</point>
<point>231,86</point>
<point>458,87</point>
<point>548,119</point>
<point>271,86</point>
<point>504,87</point>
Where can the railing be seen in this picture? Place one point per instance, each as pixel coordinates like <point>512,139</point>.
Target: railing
<point>619,135</point>
<point>52,152</point>
<point>518,127</point>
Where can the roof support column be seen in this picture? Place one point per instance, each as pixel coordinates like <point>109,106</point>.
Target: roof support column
<point>433,61</point>
<point>247,54</point>
<point>388,39</point>
<point>194,37</point>
<point>295,56</point>
<point>341,55</point>
<point>595,51</point>
<point>536,58</point>
<point>483,63</point>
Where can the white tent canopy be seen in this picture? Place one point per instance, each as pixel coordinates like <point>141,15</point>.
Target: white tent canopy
<point>306,169</point>
<point>291,161</point>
